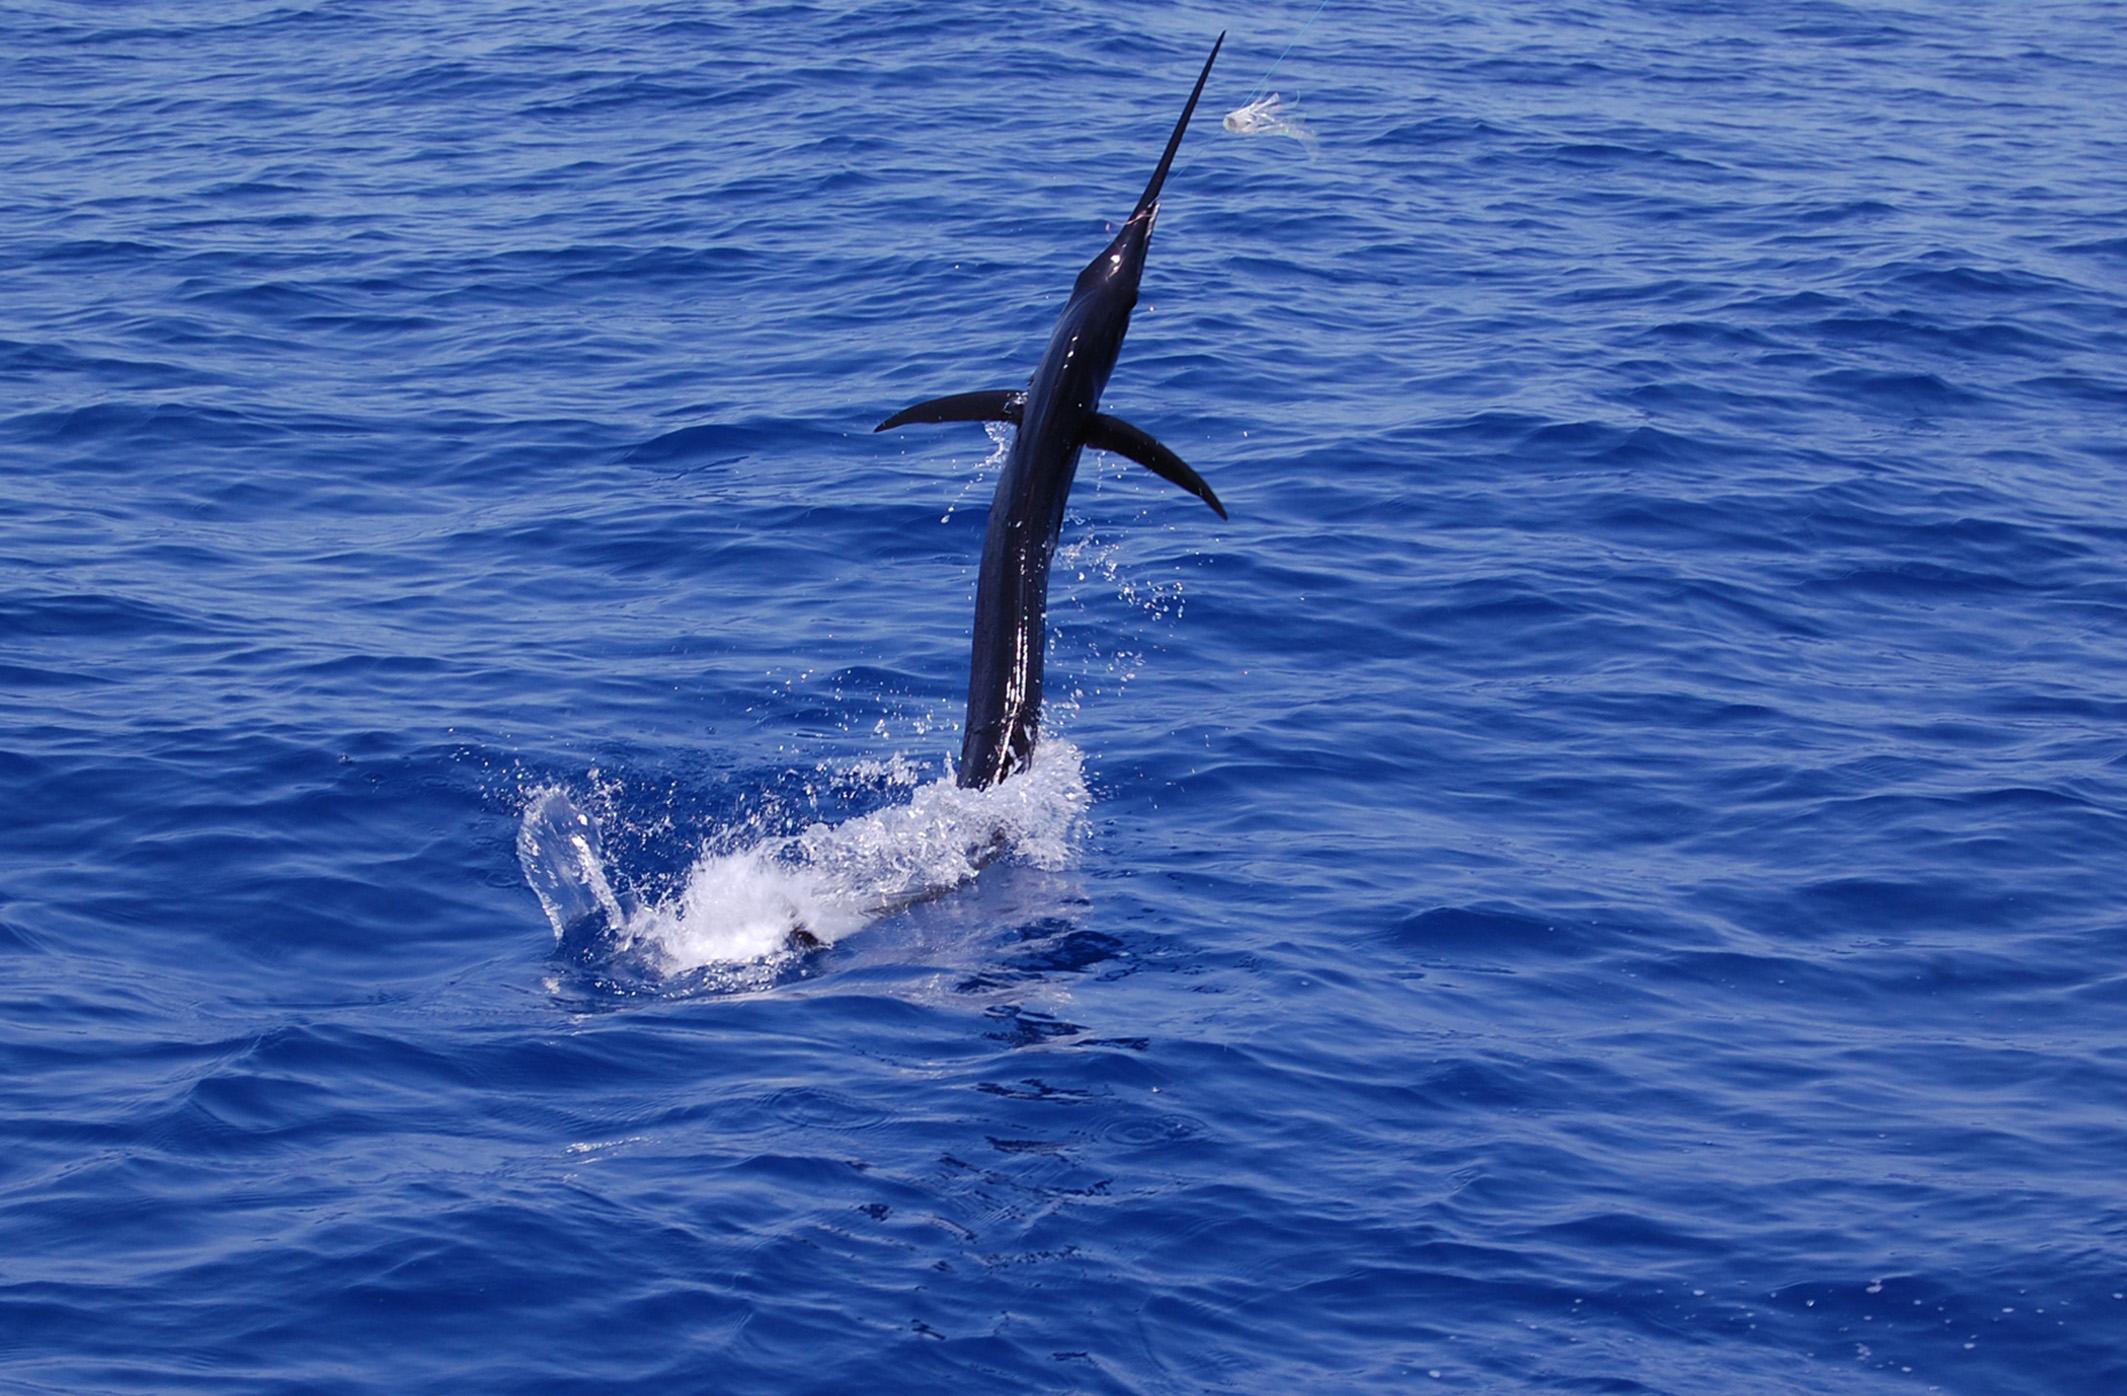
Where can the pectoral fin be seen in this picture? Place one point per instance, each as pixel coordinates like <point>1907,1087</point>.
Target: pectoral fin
<point>1105,433</point>
<point>1000,405</point>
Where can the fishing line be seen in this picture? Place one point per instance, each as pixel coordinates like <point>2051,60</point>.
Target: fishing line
<point>1273,115</point>
<point>1288,49</point>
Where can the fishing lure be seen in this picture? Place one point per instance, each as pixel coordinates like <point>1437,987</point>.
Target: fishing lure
<point>1273,115</point>
<point>1270,115</point>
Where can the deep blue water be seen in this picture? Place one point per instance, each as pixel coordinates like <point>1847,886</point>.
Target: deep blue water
<point>1606,876</point>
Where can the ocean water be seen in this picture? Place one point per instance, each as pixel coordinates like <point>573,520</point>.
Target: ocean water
<point>1609,874</point>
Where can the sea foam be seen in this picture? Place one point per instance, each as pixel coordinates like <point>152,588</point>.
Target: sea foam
<point>745,904</point>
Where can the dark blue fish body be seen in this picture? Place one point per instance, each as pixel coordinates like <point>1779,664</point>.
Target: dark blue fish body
<point>1057,415</point>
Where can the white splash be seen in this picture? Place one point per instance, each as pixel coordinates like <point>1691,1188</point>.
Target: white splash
<point>1000,446</point>
<point>826,880</point>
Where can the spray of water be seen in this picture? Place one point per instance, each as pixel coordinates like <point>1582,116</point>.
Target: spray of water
<point>756,897</point>
<point>826,880</point>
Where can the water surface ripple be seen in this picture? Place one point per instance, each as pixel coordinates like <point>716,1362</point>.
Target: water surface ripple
<point>1606,875</point>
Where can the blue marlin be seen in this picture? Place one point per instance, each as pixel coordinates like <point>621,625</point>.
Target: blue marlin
<point>1057,416</point>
